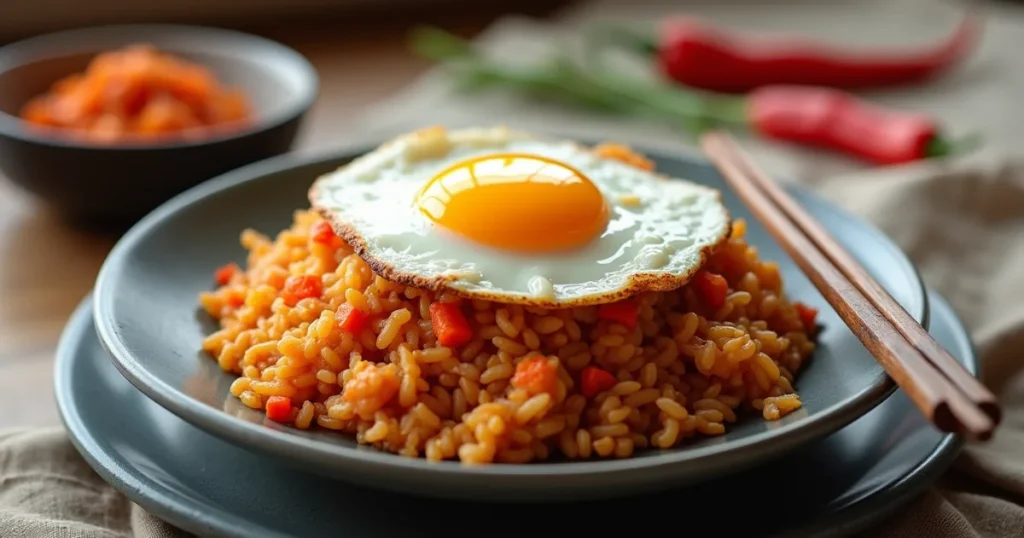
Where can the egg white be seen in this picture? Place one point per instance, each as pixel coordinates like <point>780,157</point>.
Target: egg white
<point>657,236</point>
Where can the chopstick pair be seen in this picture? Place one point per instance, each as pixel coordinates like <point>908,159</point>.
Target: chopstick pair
<point>942,389</point>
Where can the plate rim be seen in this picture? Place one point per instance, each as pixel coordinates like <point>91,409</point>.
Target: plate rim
<point>188,516</point>
<point>287,445</point>
<point>153,497</point>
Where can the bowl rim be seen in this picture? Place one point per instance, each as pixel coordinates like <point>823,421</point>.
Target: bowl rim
<point>285,444</point>
<point>21,53</point>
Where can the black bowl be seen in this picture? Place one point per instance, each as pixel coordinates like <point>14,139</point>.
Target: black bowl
<point>117,184</point>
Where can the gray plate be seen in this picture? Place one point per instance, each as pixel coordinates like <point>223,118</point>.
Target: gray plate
<point>148,318</point>
<point>832,487</point>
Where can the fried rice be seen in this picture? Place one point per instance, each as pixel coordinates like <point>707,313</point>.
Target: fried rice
<point>530,383</point>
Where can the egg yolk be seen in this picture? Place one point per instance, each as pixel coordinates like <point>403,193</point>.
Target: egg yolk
<point>519,202</point>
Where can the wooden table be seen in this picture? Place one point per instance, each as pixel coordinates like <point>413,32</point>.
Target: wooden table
<point>47,268</point>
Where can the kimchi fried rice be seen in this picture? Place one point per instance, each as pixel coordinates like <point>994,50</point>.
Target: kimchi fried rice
<point>318,340</point>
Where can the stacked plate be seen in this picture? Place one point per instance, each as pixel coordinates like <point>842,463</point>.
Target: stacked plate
<point>155,415</point>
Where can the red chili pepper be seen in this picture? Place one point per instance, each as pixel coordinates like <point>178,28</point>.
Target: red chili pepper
<point>816,116</point>
<point>834,120</point>
<point>701,55</point>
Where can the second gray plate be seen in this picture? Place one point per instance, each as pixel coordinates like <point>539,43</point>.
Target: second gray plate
<point>834,487</point>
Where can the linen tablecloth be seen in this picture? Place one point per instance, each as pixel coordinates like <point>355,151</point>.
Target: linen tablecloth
<point>961,222</point>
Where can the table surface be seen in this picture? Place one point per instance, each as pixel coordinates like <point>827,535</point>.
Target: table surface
<point>46,268</point>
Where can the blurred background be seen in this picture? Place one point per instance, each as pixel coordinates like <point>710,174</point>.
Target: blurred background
<point>21,18</point>
<point>935,163</point>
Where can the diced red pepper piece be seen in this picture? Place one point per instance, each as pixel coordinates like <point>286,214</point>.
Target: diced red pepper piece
<point>276,280</point>
<point>351,319</point>
<point>712,287</point>
<point>536,374</point>
<point>594,381</point>
<point>235,299</point>
<point>279,408</point>
<point>323,233</point>
<point>300,287</point>
<point>808,315</point>
<point>224,274</point>
<point>450,325</point>
<point>624,312</point>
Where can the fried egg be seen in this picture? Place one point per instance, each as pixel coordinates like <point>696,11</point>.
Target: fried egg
<point>510,217</point>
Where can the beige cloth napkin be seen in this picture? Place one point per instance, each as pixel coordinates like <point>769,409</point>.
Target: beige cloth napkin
<point>961,222</point>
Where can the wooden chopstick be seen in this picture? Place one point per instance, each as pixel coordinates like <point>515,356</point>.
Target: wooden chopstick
<point>951,403</point>
<point>892,310</point>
